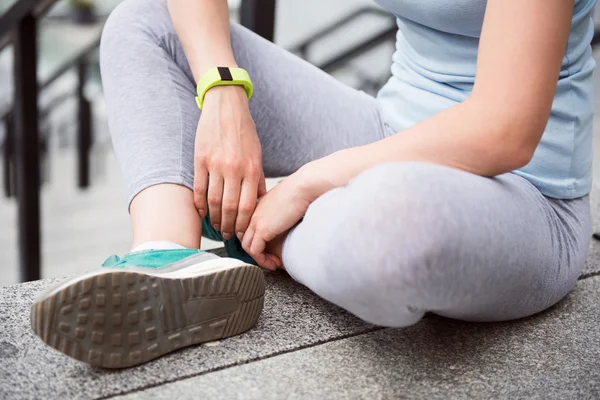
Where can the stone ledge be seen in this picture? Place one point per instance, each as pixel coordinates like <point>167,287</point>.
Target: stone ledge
<point>293,318</point>
<point>309,348</point>
<point>592,263</point>
<point>554,355</point>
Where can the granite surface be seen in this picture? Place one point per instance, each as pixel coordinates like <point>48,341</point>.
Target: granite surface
<point>293,318</point>
<point>592,264</point>
<point>304,347</point>
<point>554,355</point>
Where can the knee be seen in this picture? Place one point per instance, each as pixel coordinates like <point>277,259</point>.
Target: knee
<point>130,23</point>
<point>365,279</point>
<point>381,277</point>
<point>388,216</point>
<point>369,251</point>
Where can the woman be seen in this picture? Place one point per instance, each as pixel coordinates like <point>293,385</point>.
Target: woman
<point>462,189</point>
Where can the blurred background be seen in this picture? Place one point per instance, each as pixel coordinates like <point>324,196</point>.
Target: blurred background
<point>83,211</point>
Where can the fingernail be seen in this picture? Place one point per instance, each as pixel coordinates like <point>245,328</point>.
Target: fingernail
<point>240,235</point>
<point>217,227</point>
<point>226,235</point>
<point>201,212</point>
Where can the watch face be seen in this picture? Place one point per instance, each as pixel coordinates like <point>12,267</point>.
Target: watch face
<point>225,73</point>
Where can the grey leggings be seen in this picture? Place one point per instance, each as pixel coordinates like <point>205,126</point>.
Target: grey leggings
<point>401,239</point>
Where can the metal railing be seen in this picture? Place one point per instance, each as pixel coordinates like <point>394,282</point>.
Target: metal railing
<point>84,117</point>
<point>19,26</point>
<point>387,33</point>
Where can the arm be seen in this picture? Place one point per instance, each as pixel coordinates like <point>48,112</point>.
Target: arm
<point>497,129</point>
<point>203,29</point>
<point>227,147</point>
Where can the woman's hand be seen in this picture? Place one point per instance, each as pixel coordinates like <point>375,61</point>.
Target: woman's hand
<point>228,174</point>
<point>282,208</point>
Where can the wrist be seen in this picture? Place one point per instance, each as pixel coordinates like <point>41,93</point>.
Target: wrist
<point>222,76</point>
<point>311,182</point>
<point>203,68</point>
<point>336,169</point>
<point>230,94</point>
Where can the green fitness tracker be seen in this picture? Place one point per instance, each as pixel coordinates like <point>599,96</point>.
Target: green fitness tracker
<point>222,76</point>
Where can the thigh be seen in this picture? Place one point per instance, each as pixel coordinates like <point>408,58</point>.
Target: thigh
<point>407,238</point>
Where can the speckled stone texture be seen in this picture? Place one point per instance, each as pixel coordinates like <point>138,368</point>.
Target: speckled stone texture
<point>554,355</point>
<point>292,318</point>
<point>592,265</point>
<point>304,347</point>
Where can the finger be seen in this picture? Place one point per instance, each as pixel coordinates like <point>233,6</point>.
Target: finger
<point>274,260</point>
<point>247,240</point>
<point>260,257</point>
<point>262,185</point>
<point>257,248</point>
<point>269,263</point>
<point>262,261</point>
<point>247,205</point>
<point>277,260</point>
<point>258,245</point>
<point>215,199</point>
<point>231,199</point>
<point>200,186</point>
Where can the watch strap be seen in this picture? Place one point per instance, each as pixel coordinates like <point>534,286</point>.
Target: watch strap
<point>223,76</point>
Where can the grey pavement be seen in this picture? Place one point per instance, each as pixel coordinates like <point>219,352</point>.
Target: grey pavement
<point>550,356</point>
<point>304,347</point>
<point>293,318</point>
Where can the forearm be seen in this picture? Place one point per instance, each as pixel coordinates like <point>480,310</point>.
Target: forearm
<point>499,127</point>
<point>465,137</point>
<point>204,31</point>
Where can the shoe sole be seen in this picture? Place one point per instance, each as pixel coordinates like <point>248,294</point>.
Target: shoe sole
<point>121,318</point>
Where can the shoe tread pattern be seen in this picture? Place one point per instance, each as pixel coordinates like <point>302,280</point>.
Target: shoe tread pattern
<point>122,318</point>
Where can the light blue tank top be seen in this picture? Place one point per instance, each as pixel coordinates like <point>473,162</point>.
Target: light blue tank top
<point>434,68</point>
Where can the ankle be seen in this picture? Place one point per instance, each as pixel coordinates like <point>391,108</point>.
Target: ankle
<point>166,212</point>
<point>156,245</point>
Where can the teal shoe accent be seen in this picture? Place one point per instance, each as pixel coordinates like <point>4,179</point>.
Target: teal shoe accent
<point>111,261</point>
<point>232,246</point>
<point>150,258</point>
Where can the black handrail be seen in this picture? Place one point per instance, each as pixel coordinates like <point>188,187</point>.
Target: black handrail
<point>301,48</point>
<point>17,12</point>
<point>71,62</point>
<point>19,25</point>
<point>84,133</point>
<point>26,140</point>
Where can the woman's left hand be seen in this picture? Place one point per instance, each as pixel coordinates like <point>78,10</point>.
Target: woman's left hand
<point>279,210</point>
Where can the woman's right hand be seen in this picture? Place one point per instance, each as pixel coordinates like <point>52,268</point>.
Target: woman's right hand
<point>228,174</point>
